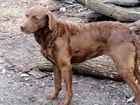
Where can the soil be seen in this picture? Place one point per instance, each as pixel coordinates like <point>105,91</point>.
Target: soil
<point>18,51</point>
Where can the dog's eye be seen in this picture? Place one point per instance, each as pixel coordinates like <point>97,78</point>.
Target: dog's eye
<point>35,18</point>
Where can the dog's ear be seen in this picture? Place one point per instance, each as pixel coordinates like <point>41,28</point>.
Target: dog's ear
<point>51,20</point>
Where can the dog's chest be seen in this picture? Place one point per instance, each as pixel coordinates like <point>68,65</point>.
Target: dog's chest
<point>47,53</point>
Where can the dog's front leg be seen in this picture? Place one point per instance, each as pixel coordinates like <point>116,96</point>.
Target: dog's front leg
<point>57,83</point>
<point>67,75</point>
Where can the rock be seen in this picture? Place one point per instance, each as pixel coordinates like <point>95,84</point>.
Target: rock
<point>1,100</point>
<point>68,1</point>
<point>29,68</point>
<point>131,99</point>
<point>32,99</point>
<point>38,74</point>
<point>4,5</point>
<point>2,69</point>
<point>24,75</point>
<point>62,9</point>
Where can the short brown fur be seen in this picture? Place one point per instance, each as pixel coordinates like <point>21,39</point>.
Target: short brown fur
<point>65,43</point>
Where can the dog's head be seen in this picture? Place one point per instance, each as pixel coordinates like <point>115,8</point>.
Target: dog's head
<point>36,18</point>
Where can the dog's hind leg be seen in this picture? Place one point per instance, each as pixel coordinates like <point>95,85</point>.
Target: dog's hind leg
<point>137,71</point>
<point>124,58</point>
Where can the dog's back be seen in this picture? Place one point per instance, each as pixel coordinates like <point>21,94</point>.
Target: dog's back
<point>91,39</point>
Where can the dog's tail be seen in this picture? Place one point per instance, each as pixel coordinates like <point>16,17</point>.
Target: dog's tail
<point>136,42</point>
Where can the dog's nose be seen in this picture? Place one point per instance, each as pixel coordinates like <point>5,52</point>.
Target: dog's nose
<point>22,28</point>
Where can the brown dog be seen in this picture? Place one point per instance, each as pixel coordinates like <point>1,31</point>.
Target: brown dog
<point>65,43</point>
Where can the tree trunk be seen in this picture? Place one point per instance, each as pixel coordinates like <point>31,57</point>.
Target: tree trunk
<point>116,12</point>
<point>102,67</point>
<point>135,26</point>
<point>122,2</point>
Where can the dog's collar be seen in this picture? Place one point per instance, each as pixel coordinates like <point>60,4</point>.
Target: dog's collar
<point>55,33</point>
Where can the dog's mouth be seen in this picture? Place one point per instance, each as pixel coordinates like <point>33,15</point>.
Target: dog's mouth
<point>23,29</point>
<point>26,32</point>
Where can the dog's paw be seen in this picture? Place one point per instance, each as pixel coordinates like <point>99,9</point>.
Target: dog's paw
<point>64,102</point>
<point>51,97</point>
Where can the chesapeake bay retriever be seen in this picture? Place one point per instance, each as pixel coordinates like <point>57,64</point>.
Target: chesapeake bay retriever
<point>64,43</point>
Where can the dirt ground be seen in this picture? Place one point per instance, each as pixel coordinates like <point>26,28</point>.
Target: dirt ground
<point>18,51</point>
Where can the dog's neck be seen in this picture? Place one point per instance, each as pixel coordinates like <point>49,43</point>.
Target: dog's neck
<point>44,37</point>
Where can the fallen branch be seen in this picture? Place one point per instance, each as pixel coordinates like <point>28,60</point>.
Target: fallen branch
<point>122,2</point>
<point>116,12</point>
<point>102,67</point>
<point>135,26</point>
